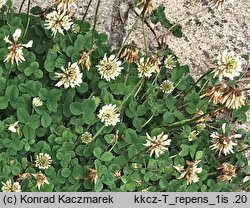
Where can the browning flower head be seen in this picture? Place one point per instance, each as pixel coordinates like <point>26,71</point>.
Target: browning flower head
<point>85,60</point>
<point>8,186</point>
<point>92,176</point>
<point>108,115</point>
<point>141,3</point>
<point>118,174</point>
<point>109,68</point>
<point>43,161</point>
<point>145,68</point>
<point>71,76</point>
<point>130,54</point>
<point>215,93</point>
<point>219,4</point>
<point>66,5</point>
<point>227,171</point>
<point>23,176</point>
<point>2,2</point>
<point>41,179</point>
<point>58,21</point>
<point>204,117</point>
<point>190,172</point>
<point>16,50</point>
<point>155,62</point>
<point>157,144</point>
<point>227,65</point>
<point>233,98</point>
<point>222,142</point>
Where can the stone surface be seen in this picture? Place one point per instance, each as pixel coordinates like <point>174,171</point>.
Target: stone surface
<point>205,34</point>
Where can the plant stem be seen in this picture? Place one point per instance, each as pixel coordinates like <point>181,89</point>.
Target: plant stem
<point>133,27</point>
<point>87,9</point>
<point>132,92</point>
<point>28,19</point>
<point>98,132</point>
<point>21,6</point>
<point>70,39</point>
<point>95,20</point>
<point>204,85</point>
<point>151,117</point>
<point>195,118</point>
<point>127,37</point>
<point>144,36</point>
<point>139,88</point>
<point>120,107</point>
<point>127,74</point>
<point>150,28</point>
<point>204,75</point>
<point>129,160</point>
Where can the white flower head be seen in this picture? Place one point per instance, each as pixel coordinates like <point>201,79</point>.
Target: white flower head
<point>227,65</point>
<point>43,161</point>
<point>190,172</point>
<point>170,62</point>
<point>71,76</point>
<point>167,86</point>
<point>41,179</point>
<point>108,115</point>
<point>58,21</point>
<point>14,127</point>
<point>192,136</point>
<point>86,137</point>
<point>223,143</point>
<point>8,186</point>
<point>16,50</point>
<point>36,102</point>
<point>2,2</point>
<point>145,67</point>
<point>109,68</point>
<point>157,144</point>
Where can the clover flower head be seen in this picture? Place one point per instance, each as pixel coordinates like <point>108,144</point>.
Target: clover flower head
<point>222,142</point>
<point>190,172</point>
<point>41,179</point>
<point>170,62</point>
<point>227,171</point>
<point>219,4</point>
<point>71,76</point>
<point>86,137</point>
<point>14,127</point>
<point>108,115</point>
<point>36,102</point>
<point>58,21</point>
<point>167,86</point>
<point>157,144</point>
<point>16,49</point>
<point>145,67</point>
<point>2,2</point>
<point>109,68</point>
<point>43,161</point>
<point>227,65</point>
<point>9,186</point>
